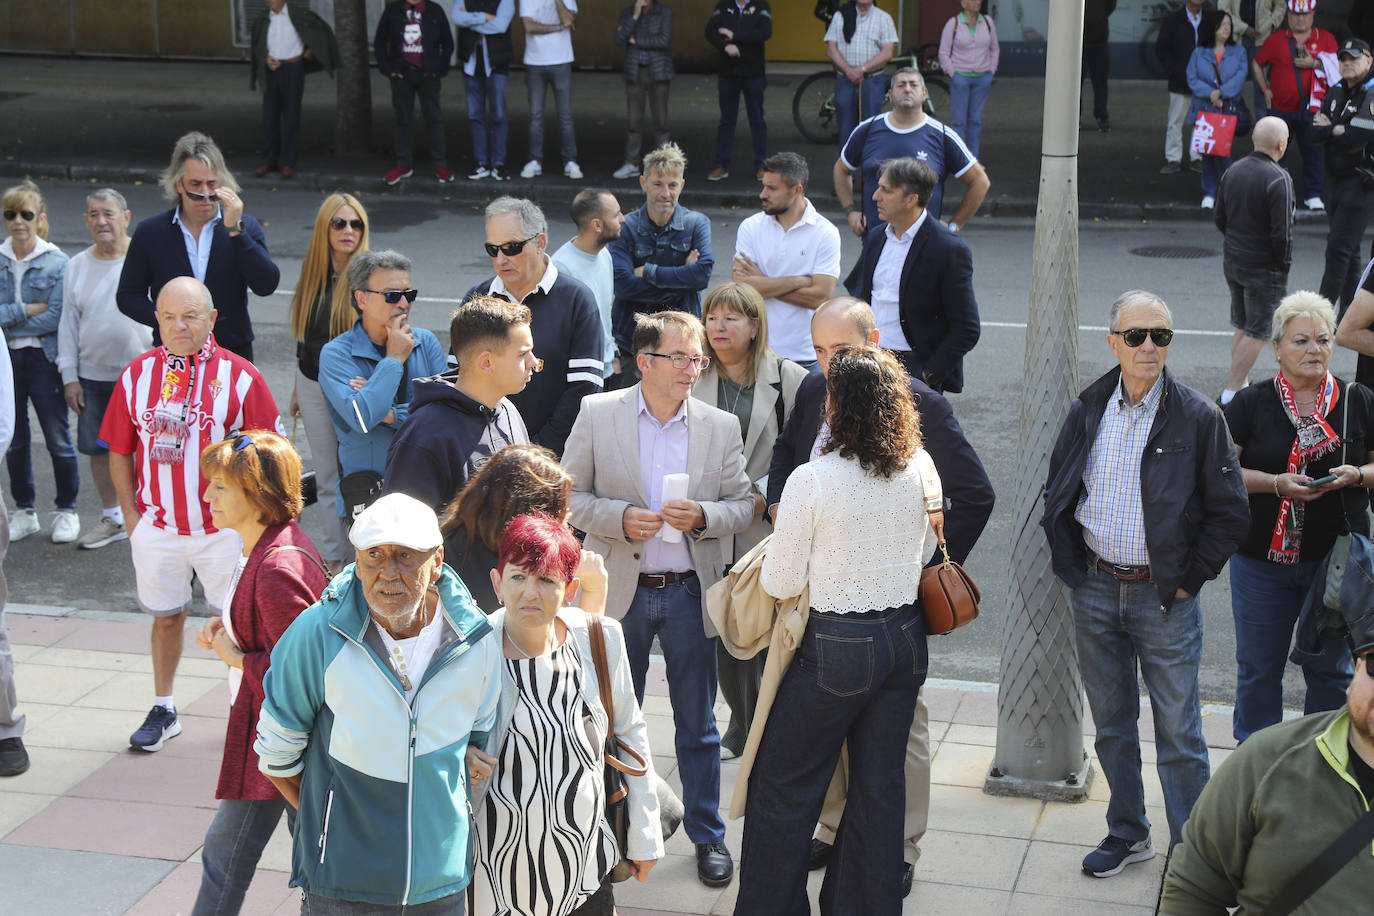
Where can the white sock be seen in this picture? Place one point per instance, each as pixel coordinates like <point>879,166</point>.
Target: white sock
<point>165,703</point>
<point>115,515</point>
<point>1226,395</point>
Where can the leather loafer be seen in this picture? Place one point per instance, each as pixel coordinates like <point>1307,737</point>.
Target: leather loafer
<point>908,872</point>
<point>820,855</point>
<point>715,868</point>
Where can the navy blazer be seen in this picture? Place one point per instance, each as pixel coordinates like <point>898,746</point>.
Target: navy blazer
<point>157,253</point>
<point>967,489</point>
<point>939,314</point>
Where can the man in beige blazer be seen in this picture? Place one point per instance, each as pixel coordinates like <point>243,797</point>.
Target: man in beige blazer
<point>621,447</point>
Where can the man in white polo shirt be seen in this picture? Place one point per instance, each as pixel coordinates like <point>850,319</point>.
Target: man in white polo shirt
<point>548,65</point>
<point>790,254</point>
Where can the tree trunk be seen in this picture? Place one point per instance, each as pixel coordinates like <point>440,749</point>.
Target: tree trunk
<point>353,119</point>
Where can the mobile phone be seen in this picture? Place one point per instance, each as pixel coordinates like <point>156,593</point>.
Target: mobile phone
<point>1320,481</point>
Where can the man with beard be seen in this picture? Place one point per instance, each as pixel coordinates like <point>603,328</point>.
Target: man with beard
<point>596,213</point>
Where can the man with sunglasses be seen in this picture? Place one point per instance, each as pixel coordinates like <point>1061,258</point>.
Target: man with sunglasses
<point>1279,803</point>
<point>1144,503</point>
<point>662,554</point>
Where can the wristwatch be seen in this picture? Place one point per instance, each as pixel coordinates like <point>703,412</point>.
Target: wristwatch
<point>236,228</point>
<point>954,227</point>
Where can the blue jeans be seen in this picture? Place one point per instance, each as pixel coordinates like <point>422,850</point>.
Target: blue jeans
<point>1213,167</point>
<point>233,845</point>
<point>37,380</point>
<point>855,679</point>
<point>848,112</point>
<point>967,96</point>
<point>728,89</point>
<point>559,78</point>
<point>1265,601</point>
<point>1300,131</point>
<point>487,117</point>
<point>674,614</point>
<point>1118,623</point>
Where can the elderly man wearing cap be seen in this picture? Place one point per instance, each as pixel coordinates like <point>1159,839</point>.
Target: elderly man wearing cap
<point>1345,125</point>
<point>373,697</point>
<point>1277,807</point>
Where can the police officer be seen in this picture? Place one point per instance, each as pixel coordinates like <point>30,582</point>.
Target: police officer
<point>1345,125</point>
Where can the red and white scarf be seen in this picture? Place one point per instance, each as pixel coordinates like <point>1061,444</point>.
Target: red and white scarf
<point>171,423</point>
<point>1314,439</point>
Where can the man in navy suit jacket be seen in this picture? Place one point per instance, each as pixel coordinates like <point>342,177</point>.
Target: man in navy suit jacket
<point>918,276</point>
<point>205,235</point>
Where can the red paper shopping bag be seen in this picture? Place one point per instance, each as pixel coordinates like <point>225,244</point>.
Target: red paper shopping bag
<point>1213,133</point>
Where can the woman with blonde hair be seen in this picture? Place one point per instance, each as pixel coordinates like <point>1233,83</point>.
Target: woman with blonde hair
<point>321,310</point>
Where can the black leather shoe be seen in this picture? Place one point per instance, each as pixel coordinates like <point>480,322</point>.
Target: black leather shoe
<point>715,868</point>
<point>908,872</point>
<point>13,758</point>
<point>820,855</point>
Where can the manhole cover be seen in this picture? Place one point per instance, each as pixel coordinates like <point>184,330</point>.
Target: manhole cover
<point>1176,252</point>
<point>172,108</point>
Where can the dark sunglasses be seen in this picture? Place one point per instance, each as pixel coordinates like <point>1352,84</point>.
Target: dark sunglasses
<point>393,296</point>
<point>509,249</point>
<point>212,194</point>
<point>339,222</point>
<point>1368,662</point>
<point>26,215</point>
<point>1134,337</point>
<point>241,441</point>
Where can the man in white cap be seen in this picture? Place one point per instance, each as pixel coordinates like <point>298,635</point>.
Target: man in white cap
<point>375,693</point>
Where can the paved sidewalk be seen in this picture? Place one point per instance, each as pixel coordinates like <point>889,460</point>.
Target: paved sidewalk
<point>95,828</point>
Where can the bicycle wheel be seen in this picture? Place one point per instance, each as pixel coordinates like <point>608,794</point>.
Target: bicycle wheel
<point>813,108</point>
<point>937,97</point>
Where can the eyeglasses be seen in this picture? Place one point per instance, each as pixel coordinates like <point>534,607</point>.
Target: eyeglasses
<point>212,194</point>
<point>339,223</point>
<point>681,361</point>
<point>26,215</point>
<point>393,296</point>
<point>1134,337</point>
<point>509,249</point>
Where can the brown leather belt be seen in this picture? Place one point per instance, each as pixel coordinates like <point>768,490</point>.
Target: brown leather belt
<point>1121,573</point>
<point>663,580</point>
<point>291,60</point>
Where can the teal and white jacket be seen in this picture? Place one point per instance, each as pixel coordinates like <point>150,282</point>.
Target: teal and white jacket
<point>384,814</point>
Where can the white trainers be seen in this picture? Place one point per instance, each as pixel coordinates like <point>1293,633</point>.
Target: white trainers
<point>572,170</point>
<point>1314,203</point>
<point>23,523</point>
<point>1209,202</point>
<point>66,526</point>
<point>106,531</point>
<point>628,170</point>
<point>532,169</point>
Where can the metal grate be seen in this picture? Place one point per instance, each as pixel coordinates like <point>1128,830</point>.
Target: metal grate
<point>1174,252</point>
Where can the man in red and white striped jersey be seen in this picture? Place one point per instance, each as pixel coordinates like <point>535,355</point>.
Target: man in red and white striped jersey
<point>167,406</point>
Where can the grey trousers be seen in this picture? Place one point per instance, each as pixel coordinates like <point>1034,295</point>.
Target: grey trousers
<point>11,725</point>
<point>637,95</point>
<point>324,455</point>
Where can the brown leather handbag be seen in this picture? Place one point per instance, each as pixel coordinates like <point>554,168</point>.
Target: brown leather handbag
<point>949,596</point>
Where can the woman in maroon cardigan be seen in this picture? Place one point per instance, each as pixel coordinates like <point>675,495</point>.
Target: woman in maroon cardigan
<point>255,489</point>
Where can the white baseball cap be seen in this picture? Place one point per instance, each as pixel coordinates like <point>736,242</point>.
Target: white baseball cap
<point>397,519</point>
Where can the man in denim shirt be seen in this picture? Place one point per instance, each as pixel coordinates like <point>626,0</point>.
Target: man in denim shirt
<point>663,257</point>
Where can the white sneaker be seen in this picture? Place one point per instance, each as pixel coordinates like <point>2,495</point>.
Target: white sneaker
<point>479,173</point>
<point>106,531</point>
<point>23,523</point>
<point>628,170</point>
<point>1314,203</point>
<point>531,169</point>
<point>572,170</point>
<point>66,527</point>
<point>1209,202</point>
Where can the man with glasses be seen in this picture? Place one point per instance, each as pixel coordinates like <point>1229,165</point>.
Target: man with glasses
<point>1279,803</point>
<point>167,406</point>
<point>563,319</point>
<point>1144,503</point>
<point>627,454</point>
<point>205,235</point>
<point>367,373</point>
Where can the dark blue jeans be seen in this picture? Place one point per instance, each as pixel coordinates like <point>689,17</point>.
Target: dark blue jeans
<point>729,89</point>
<point>1300,133</point>
<point>538,79</point>
<point>855,679</point>
<point>233,846</point>
<point>848,112</point>
<point>673,613</point>
<point>412,83</point>
<point>487,117</point>
<point>37,380</point>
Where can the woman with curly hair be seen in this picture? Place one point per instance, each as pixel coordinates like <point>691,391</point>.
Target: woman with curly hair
<point>852,527</point>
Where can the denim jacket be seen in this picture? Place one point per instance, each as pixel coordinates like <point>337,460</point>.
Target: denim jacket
<point>42,283</point>
<point>669,282</point>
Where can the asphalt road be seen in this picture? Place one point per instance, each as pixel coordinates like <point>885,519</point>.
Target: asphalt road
<point>443,238</point>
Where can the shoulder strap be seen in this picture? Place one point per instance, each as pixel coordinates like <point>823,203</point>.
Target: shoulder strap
<point>934,497</point>
<point>603,681</point>
<point>1293,53</point>
<point>778,405</point>
<point>324,567</point>
<point>1324,867</point>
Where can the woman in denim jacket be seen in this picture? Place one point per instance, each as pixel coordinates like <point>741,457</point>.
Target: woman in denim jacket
<point>1216,74</point>
<point>31,270</point>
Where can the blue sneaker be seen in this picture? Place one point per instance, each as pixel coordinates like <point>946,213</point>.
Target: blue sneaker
<point>160,725</point>
<point>1113,854</point>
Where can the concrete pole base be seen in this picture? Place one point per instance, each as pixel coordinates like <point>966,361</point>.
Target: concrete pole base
<point>1072,788</point>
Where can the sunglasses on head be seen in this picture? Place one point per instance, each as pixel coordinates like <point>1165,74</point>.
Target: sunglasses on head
<point>339,223</point>
<point>393,296</point>
<point>509,249</point>
<point>1134,337</point>
<point>26,215</point>
<point>241,441</point>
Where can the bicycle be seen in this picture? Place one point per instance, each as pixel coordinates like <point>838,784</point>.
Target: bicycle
<point>813,105</point>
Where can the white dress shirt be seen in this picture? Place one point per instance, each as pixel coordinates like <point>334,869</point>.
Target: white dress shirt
<point>887,286</point>
<point>283,41</point>
<point>198,249</point>
<point>662,450</point>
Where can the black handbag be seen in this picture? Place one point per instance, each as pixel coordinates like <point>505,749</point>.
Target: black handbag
<point>1235,107</point>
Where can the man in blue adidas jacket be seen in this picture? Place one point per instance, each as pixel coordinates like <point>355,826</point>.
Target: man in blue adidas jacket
<point>373,696</point>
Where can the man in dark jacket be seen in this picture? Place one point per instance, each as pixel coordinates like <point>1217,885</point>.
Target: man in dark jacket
<point>413,45</point>
<point>1174,45</point>
<point>288,43</point>
<point>485,51</point>
<point>461,418</point>
<point>1096,58</point>
<point>1144,503</point>
<point>738,29</point>
<point>1345,125</point>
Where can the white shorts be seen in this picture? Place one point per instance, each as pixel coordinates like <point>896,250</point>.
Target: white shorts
<point>164,562</point>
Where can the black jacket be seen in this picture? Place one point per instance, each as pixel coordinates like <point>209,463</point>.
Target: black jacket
<point>315,34</point>
<point>1254,211</point>
<point>499,47</point>
<point>1095,29</point>
<point>752,26</point>
<point>445,440</point>
<point>1196,508</point>
<point>436,39</point>
<point>1355,146</point>
<point>1174,45</point>
<point>968,491</point>
<point>939,313</point>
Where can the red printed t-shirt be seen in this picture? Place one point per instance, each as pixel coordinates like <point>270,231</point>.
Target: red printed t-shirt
<point>1275,55</point>
<point>412,42</point>
<point>229,395</point>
